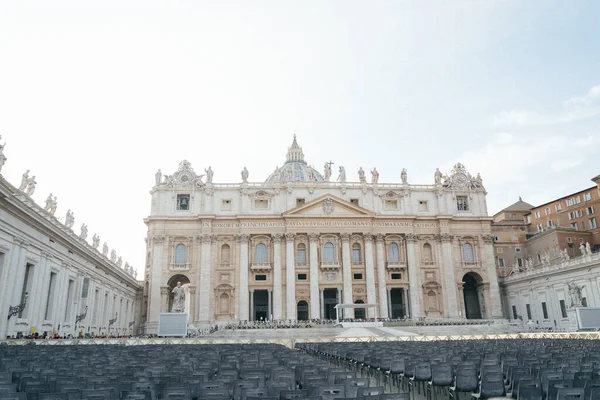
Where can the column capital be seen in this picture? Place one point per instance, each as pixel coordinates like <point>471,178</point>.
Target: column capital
<point>411,238</point>
<point>242,237</point>
<point>159,239</point>
<point>345,237</point>
<point>379,237</point>
<point>207,238</point>
<point>290,236</point>
<point>488,239</point>
<point>368,237</point>
<point>313,236</point>
<point>277,237</point>
<point>444,237</point>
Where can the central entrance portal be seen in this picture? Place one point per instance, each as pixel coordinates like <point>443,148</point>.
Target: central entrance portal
<point>330,299</point>
<point>397,302</point>
<point>261,305</point>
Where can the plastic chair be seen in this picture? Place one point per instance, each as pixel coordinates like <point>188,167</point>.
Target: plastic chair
<point>441,376</point>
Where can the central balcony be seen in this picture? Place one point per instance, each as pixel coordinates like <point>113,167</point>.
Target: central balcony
<point>260,267</point>
<point>396,266</point>
<point>330,265</point>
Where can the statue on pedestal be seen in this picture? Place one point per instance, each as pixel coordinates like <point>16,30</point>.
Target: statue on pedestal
<point>95,241</point>
<point>404,176</point>
<point>24,181</point>
<point>588,248</point>
<point>582,249</point>
<point>575,294</point>
<point>374,176</point>
<point>70,219</point>
<point>30,186</point>
<point>119,262</point>
<point>158,177</point>
<point>105,249</point>
<point>84,231</point>
<point>53,206</point>
<point>245,175</point>
<point>276,175</point>
<point>327,172</point>
<point>209,174</point>
<point>437,177</point>
<point>361,175</point>
<point>342,175</point>
<point>48,203</point>
<point>113,255</point>
<point>178,298</point>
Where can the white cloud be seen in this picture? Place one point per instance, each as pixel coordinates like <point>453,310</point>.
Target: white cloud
<point>592,94</point>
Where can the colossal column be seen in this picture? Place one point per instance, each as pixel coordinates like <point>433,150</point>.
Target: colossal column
<point>449,277</point>
<point>413,276</point>
<point>277,285</point>
<point>347,274</point>
<point>381,278</point>
<point>158,263</point>
<point>370,273</point>
<point>205,268</point>
<point>290,274</point>
<point>242,241</point>
<point>315,308</point>
<point>489,265</point>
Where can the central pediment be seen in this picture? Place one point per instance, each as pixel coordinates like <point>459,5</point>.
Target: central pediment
<point>328,206</point>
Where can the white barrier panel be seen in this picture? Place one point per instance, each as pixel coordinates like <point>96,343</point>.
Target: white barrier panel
<point>361,324</point>
<point>588,317</point>
<point>173,324</point>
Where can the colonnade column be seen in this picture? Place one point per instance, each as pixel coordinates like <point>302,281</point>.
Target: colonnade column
<point>347,274</point>
<point>315,309</point>
<point>381,278</point>
<point>290,275</point>
<point>370,274</point>
<point>242,241</point>
<point>413,276</point>
<point>489,265</point>
<point>205,268</point>
<point>277,298</point>
<point>449,276</point>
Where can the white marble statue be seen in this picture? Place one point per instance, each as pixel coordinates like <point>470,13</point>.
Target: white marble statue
<point>30,186</point>
<point>342,175</point>
<point>2,156</point>
<point>178,298</point>
<point>84,231</point>
<point>588,248</point>
<point>582,249</point>
<point>515,268</point>
<point>70,219</point>
<point>276,175</point>
<point>95,241</point>
<point>245,175</point>
<point>374,176</point>
<point>361,175</point>
<point>53,206</point>
<point>574,293</point>
<point>437,177</point>
<point>113,256</point>
<point>404,176</point>
<point>529,264</point>
<point>478,181</point>
<point>48,205</point>
<point>127,267</point>
<point>158,177</point>
<point>327,171</point>
<point>309,174</point>
<point>105,249</point>
<point>119,262</point>
<point>24,181</point>
<point>209,174</point>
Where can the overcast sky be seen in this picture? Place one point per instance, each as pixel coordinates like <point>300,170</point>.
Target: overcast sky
<point>96,96</point>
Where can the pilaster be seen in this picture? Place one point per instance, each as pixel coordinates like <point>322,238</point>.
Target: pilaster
<point>449,275</point>
<point>290,269</point>
<point>242,241</point>
<point>277,282</point>
<point>315,309</point>
<point>370,273</point>
<point>381,278</point>
<point>347,275</point>
<point>413,276</point>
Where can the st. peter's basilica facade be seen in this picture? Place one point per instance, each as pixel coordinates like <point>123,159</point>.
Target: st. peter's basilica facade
<point>297,244</point>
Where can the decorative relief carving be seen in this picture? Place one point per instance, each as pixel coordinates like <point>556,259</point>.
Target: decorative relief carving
<point>379,237</point>
<point>411,238</point>
<point>158,239</point>
<point>359,290</point>
<point>345,237</point>
<point>330,276</point>
<point>277,237</point>
<point>242,237</point>
<point>261,194</point>
<point>368,237</point>
<point>207,238</point>
<point>328,206</point>
<point>313,236</point>
<point>488,239</point>
<point>290,236</point>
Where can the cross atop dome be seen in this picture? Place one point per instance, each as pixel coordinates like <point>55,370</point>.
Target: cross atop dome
<point>295,152</point>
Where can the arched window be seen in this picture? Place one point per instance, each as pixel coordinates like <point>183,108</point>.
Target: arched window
<point>393,253</point>
<point>427,253</point>
<point>261,253</point>
<point>180,254</point>
<point>225,253</point>
<point>329,252</point>
<point>468,253</point>
<point>356,259</point>
<point>301,257</point>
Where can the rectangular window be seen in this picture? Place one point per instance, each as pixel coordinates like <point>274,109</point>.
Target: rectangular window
<point>260,277</point>
<point>593,224</point>
<point>96,303</point>
<point>587,197</point>
<point>423,206</point>
<point>558,207</point>
<point>569,202</point>
<point>183,202</point>
<point>537,214</point>
<point>589,210</point>
<point>462,203</point>
<point>354,201</point>
<point>68,308</point>
<point>563,309</point>
<point>301,256</point>
<point>357,277</point>
<point>544,310</point>
<point>540,228</point>
<point>514,310</point>
<point>27,286</point>
<point>50,297</point>
<point>261,204</point>
<point>86,288</point>
<point>579,213</point>
<point>520,262</point>
<point>528,308</point>
<point>574,226</point>
<point>550,224</point>
<point>355,256</point>
<point>301,277</point>
<point>501,262</point>
<point>396,276</point>
<point>300,202</point>
<point>548,211</point>
<point>391,204</point>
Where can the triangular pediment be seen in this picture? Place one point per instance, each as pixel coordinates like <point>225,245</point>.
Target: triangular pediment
<point>328,206</point>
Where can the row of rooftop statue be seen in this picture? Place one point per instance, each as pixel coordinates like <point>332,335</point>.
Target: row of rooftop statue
<point>544,259</point>
<point>27,186</point>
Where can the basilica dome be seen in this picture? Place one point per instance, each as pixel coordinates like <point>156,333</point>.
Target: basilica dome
<point>295,168</point>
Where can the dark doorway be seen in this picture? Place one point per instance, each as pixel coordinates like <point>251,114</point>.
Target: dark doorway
<point>471,296</point>
<point>359,313</point>
<point>302,311</point>
<point>261,305</point>
<point>397,300</point>
<point>329,301</point>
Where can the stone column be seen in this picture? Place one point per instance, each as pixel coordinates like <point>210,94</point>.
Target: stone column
<point>290,274</point>
<point>193,310</point>
<point>340,311</point>
<point>269,308</point>
<point>242,241</point>
<point>277,284</point>
<point>205,269</point>
<point>461,300</point>
<point>36,319</point>
<point>405,302</point>
<point>154,297</point>
<point>384,311</point>
<point>489,265</point>
<point>315,309</point>
<point>252,305</point>
<point>449,275</point>
<point>388,301</point>
<point>164,296</point>
<point>322,297</point>
<point>370,274</point>
<point>413,276</point>
<point>347,274</point>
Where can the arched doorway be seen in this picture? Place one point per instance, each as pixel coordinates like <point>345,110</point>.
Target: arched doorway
<point>185,283</point>
<point>472,296</point>
<point>302,311</point>
<point>359,313</point>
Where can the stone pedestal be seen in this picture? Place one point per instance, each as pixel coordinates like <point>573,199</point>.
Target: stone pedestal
<point>572,325</point>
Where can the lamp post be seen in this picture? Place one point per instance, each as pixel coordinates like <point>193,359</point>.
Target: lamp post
<point>16,310</point>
